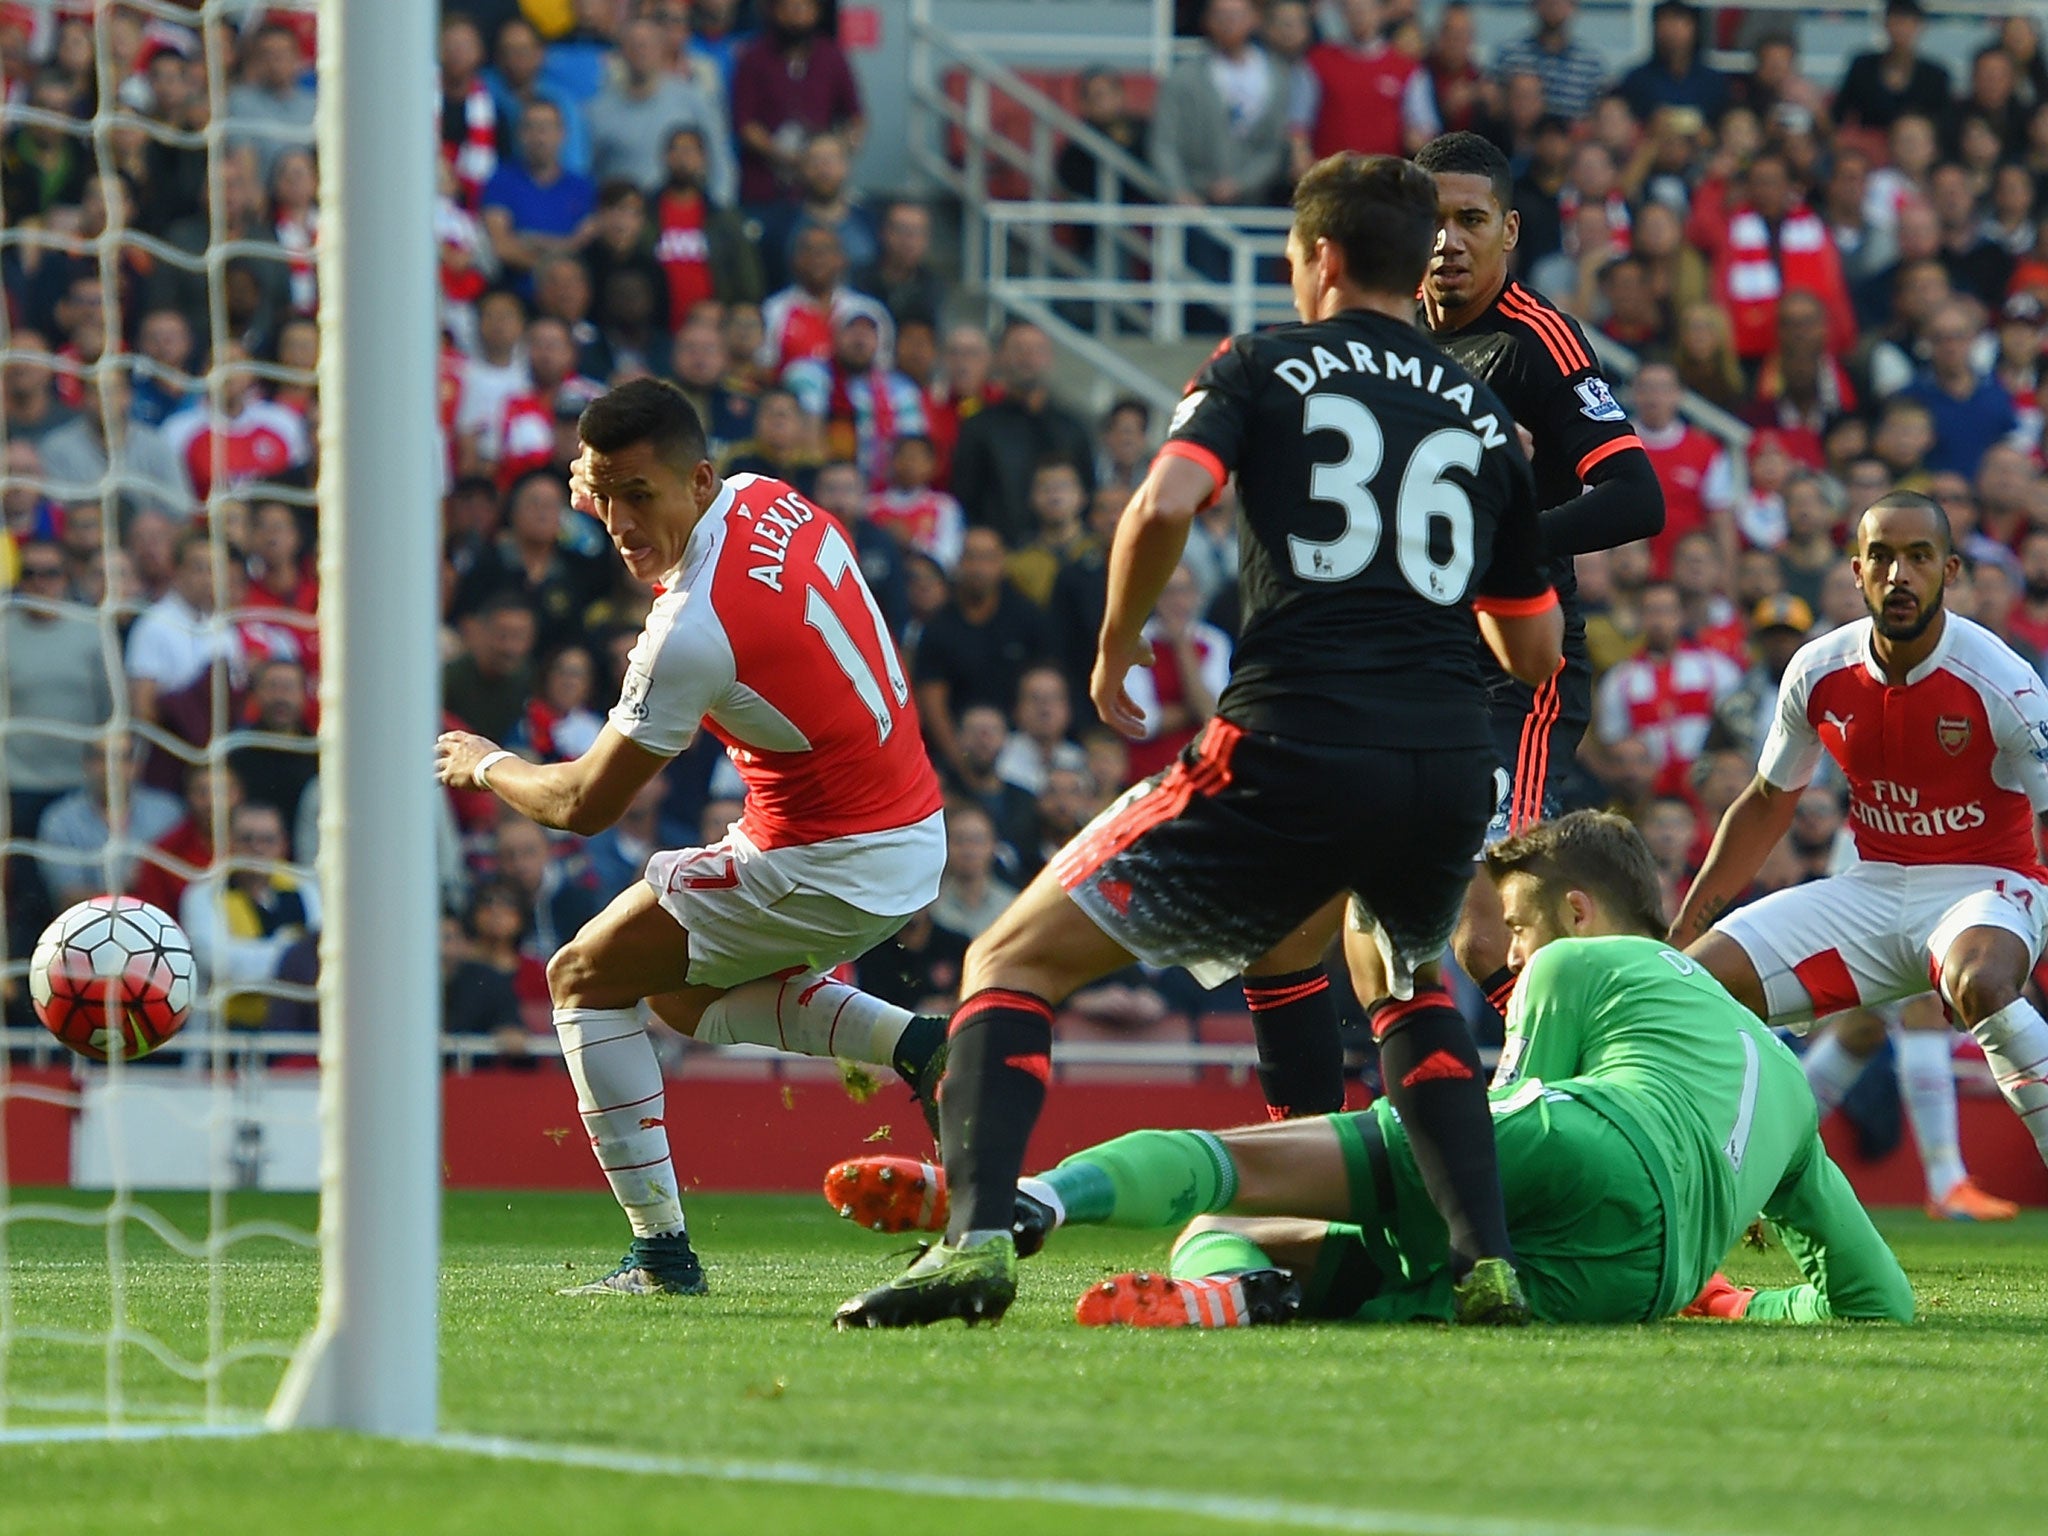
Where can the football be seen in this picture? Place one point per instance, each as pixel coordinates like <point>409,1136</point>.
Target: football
<point>112,976</point>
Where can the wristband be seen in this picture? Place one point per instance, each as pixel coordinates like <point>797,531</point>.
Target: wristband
<point>481,772</point>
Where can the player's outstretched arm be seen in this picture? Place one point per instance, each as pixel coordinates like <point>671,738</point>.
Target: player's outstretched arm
<point>1850,1273</point>
<point>1759,818</point>
<point>1149,543</point>
<point>584,796</point>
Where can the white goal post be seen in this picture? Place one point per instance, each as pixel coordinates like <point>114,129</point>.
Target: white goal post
<point>372,1362</point>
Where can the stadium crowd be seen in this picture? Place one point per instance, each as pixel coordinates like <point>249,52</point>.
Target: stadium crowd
<point>1851,268</point>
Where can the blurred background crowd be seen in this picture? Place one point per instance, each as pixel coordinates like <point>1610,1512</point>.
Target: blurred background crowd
<point>1842,277</point>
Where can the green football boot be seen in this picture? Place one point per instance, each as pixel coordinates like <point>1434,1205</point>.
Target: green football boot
<point>974,1284</point>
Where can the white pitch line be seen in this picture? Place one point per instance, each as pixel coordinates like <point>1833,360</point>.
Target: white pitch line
<point>1249,1511</point>
<point>77,1434</point>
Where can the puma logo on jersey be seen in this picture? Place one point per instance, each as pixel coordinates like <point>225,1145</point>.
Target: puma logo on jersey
<point>1839,722</point>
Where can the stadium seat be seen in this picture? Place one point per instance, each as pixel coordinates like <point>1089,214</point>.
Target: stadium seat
<point>1011,120</point>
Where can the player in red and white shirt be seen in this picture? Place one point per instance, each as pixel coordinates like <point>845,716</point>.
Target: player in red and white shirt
<point>1665,695</point>
<point>1942,734</point>
<point>765,635</point>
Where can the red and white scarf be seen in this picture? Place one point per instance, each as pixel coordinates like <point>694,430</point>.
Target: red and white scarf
<point>300,239</point>
<point>476,159</point>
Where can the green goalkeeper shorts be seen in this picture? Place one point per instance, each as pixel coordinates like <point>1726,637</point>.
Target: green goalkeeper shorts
<point>1582,1208</point>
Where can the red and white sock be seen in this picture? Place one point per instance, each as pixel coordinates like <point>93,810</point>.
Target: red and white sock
<point>2015,1041</point>
<point>1831,1071</point>
<point>619,1094</point>
<point>812,1015</point>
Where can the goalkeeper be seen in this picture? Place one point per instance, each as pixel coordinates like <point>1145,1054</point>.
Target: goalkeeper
<point>1644,1119</point>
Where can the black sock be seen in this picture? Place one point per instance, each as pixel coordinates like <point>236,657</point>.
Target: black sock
<point>994,1087</point>
<point>914,1047</point>
<point>1301,1054</point>
<point>1499,987</point>
<point>1431,1072</point>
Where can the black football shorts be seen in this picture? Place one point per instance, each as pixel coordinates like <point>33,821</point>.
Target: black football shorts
<point>1211,863</point>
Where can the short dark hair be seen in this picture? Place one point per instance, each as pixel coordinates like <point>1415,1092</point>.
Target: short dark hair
<point>1123,403</point>
<point>1913,499</point>
<point>651,411</point>
<point>1592,851</point>
<point>1467,154</point>
<point>1379,210</point>
<point>506,600</point>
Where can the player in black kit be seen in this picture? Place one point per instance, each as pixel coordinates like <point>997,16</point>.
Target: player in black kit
<point>1390,523</point>
<point>1597,489</point>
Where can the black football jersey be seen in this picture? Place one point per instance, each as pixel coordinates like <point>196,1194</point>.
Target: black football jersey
<point>1385,494</point>
<point>1535,358</point>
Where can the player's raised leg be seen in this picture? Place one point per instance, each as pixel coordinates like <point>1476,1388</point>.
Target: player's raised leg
<point>813,1014</point>
<point>633,949</point>
<point>1000,1064</point>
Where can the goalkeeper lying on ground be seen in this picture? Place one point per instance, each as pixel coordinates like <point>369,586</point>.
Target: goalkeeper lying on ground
<point>1644,1119</point>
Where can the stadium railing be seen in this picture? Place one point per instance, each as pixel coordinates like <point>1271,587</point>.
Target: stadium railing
<point>981,130</point>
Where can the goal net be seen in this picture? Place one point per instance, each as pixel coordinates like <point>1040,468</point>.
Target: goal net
<point>217,695</point>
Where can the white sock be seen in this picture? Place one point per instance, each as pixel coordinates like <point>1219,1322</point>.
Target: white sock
<point>1831,1072</point>
<point>1927,1084</point>
<point>2015,1041</point>
<point>812,1015</point>
<point>1046,1195</point>
<point>618,1091</point>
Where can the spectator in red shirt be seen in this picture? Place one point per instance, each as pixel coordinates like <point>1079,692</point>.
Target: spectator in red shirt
<point>1664,697</point>
<point>1191,662</point>
<point>1774,244</point>
<point>1465,99</point>
<point>1691,465</point>
<point>186,852</point>
<point>537,429</point>
<point>701,248</point>
<point>789,83</point>
<point>283,585</point>
<point>1700,574</point>
<point>1374,99</point>
<point>797,321</point>
<point>255,438</point>
<point>966,363</point>
<point>1801,387</point>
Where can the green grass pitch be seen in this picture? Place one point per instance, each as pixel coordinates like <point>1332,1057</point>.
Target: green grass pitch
<point>1681,1428</point>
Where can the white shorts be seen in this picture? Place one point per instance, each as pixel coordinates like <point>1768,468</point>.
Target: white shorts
<point>1876,932</point>
<point>747,917</point>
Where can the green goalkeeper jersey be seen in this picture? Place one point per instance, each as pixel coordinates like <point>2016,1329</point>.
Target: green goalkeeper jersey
<point>1714,1102</point>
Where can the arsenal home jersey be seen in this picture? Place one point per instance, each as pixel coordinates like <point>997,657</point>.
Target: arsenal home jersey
<point>1949,768</point>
